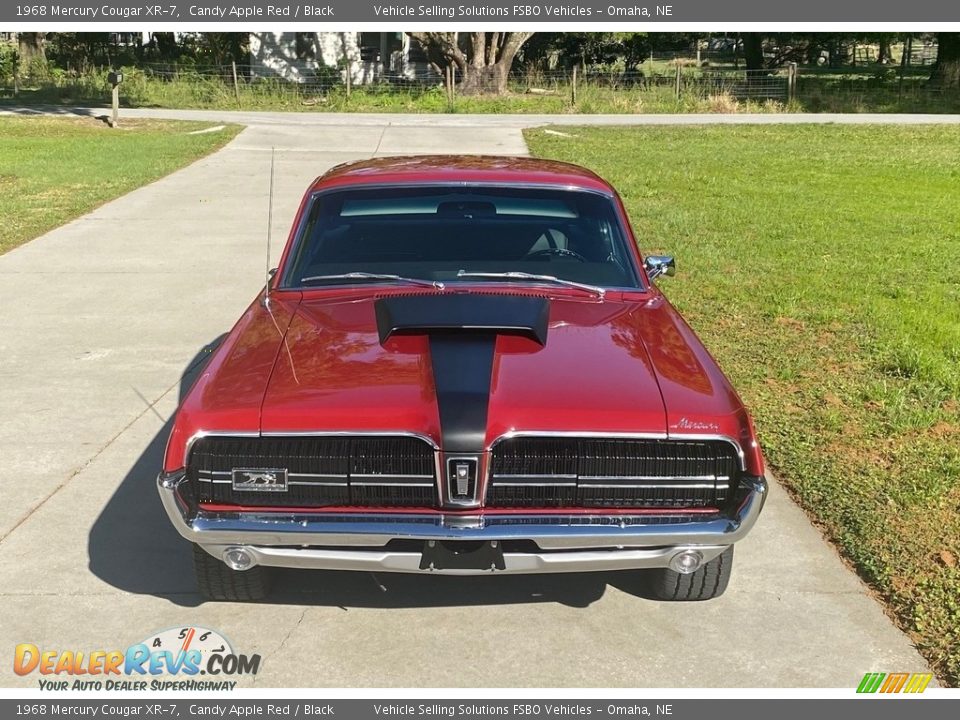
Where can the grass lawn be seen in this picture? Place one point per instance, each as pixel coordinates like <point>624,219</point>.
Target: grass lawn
<point>54,169</point>
<point>821,265</point>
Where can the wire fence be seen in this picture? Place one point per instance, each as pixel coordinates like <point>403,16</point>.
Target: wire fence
<point>577,88</point>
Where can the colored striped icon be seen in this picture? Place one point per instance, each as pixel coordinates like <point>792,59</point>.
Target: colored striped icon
<point>894,682</point>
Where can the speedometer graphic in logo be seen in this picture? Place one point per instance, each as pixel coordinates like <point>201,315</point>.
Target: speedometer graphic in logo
<point>191,637</point>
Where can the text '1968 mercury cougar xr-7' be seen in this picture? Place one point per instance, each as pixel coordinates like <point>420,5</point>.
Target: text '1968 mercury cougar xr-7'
<point>462,365</point>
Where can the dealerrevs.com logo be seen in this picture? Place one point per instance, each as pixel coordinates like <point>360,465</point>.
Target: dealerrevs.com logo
<point>184,658</point>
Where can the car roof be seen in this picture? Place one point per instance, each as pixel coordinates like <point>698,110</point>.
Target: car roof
<point>455,169</point>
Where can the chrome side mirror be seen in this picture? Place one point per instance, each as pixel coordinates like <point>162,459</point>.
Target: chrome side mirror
<point>657,265</point>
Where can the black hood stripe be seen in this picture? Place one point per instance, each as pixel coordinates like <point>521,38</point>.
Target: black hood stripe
<point>462,371</point>
<point>463,330</point>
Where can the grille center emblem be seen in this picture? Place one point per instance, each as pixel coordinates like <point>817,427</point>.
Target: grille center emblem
<point>260,479</point>
<point>462,479</point>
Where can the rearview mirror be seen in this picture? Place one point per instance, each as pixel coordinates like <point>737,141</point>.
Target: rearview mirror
<point>657,265</point>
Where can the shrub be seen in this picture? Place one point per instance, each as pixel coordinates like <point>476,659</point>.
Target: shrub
<point>8,62</point>
<point>723,103</point>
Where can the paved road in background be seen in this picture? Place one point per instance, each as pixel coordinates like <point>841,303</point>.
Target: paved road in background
<point>106,318</point>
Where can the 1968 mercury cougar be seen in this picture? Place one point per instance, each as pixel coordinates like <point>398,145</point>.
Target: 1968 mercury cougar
<point>463,366</point>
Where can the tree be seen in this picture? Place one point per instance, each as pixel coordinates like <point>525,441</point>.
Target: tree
<point>753,50</point>
<point>79,50</point>
<point>635,47</point>
<point>886,51</point>
<point>483,59</point>
<point>593,49</point>
<point>163,45</point>
<point>220,48</point>
<point>32,56</point>
<point>946,71</point>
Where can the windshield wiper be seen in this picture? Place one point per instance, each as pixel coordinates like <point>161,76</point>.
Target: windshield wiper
<point>365,276</point>
<point>518,275</point>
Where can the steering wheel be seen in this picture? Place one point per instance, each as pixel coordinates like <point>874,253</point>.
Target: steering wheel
<point>559,252</point>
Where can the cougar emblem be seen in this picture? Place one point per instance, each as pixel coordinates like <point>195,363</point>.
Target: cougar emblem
<point>260,479</point>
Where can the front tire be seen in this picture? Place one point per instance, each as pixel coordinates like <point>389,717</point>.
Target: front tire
<point>216,581</point>
<point>705,584</point>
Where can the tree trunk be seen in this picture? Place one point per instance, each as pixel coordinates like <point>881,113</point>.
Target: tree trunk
<point>483,79</point>
<point>946,71</point>
<point>166,43</point>
<point>32,55</point>
<point>30,47</point>
<point>886,54</point>
<point>482,64</point>
<point>753,50</point>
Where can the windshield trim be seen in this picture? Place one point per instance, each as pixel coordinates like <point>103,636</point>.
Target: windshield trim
<point>284,272</point>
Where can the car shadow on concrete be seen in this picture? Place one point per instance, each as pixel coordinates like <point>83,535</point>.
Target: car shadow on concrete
<point>133,547</point>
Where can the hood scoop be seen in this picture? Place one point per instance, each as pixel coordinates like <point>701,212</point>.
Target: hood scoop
<point>463,313</point>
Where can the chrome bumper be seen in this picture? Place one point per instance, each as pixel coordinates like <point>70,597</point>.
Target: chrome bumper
<point>357,541</point>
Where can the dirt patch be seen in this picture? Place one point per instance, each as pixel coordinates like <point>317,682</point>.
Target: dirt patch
<point>790,323</point>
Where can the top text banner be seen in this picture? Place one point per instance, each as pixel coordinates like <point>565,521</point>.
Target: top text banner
<point>493,12</point>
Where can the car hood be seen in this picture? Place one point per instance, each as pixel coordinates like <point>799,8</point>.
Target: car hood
<point>593,373</point>
<point>624,365</point>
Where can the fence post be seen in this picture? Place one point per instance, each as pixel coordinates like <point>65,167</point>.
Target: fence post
<point>236,85</point>
<point>347,71</point>
<point>677,89</point>
<point>451,82</point>
<point>573,86</point>
<point>792,82</point>
<point>16,83</point>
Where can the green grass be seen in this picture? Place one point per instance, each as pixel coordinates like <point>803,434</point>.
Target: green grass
<point>821,265</point>
<point>55,169</point>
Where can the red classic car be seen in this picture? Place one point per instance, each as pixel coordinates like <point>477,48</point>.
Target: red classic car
<point>463,366</point>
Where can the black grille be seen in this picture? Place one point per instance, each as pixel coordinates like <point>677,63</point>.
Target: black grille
<point>612,473</point>
<point>321,471</point>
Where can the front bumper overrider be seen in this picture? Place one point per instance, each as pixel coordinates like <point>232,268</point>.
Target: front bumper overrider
<point>529,542</point>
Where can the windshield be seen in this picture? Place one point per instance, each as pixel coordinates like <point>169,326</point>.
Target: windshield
<point>461,234</point>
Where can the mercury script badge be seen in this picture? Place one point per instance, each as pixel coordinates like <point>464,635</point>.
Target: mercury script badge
<point>686,423</point>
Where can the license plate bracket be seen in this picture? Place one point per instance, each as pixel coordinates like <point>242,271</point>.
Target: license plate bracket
<point>462,555</point>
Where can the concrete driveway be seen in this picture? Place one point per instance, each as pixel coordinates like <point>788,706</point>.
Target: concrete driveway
<point>105,320</point>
